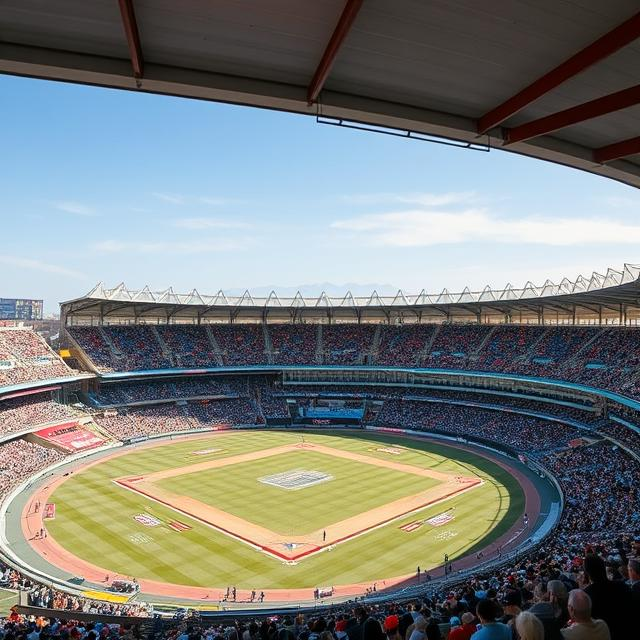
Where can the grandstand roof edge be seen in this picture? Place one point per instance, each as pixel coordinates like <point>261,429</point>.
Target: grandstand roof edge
<point>615,287</point>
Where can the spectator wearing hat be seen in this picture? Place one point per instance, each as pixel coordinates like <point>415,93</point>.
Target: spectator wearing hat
<point>487,612</point>
<point>392,627</point>
<point>511,605</point>
<point>466,629</point>
<point>583,626</point>
<point>372,630</point>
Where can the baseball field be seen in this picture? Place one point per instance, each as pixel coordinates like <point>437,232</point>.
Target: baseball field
<point>265,510</point>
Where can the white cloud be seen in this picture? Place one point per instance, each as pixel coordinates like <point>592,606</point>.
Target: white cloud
<point>213,245</point>
<point>422,199</point>
<point>207,223</point>
<point>177,198</point>
<point>77,208</point>
<point>38,265</point>
<point>418,227</point>
<point>173,198</point>
<point>622,202</point>
<point>218,202</point>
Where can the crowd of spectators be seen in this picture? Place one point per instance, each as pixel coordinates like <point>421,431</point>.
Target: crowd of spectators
<point>294,344</point>
<point>189,345</point>
<point>601,474</point>
<point>40,595</point>
<point>151,390</point>
<point>240,344</point>
<point>140,422</point>
<point>506,345</point>
<point>347,344</point>
<point>403,346</point>
<point>273,406</point>
<point>573,586</point>
<point>169,417</point>
<point>522,432</point>
<point>626,435</point>
<point>222,413</point>
<point>17,414</point>
<point>453,344</point>
<point>607,357</point>
<point>20,459</point>
<point>26,357</point>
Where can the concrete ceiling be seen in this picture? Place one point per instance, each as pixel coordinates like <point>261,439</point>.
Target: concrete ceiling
<point>428,66</point>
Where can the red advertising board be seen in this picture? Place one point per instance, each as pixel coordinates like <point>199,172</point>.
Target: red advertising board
<point>71,436</point>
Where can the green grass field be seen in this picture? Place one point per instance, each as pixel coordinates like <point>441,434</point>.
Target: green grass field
<point>94,516</point>
<point>235,490</point>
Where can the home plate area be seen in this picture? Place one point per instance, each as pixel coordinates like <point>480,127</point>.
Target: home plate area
<point>296,479</point>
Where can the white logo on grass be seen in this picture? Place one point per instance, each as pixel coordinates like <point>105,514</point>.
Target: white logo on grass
<point>446,535</point>
<point>296,479</point>
<point>140,538</point>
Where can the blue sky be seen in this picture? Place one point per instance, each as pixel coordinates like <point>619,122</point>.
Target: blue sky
<point>102,185</point>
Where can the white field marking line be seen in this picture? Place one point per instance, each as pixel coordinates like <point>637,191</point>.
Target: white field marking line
<point>395,519</point>
<point>11,597</point>
<point>206,524</point>
<point>317,551</point>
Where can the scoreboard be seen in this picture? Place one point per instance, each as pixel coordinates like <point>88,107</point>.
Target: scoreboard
<point>20,309</point>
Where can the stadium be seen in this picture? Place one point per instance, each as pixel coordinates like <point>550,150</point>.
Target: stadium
<point>183,462</point>
<point>255,435</point>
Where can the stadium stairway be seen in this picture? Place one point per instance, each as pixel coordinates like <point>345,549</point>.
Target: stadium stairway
<point>426,352</point>
<point>166,352</point>
<point>268,346</point>
<point>319,345</point>
<point>215,347</point>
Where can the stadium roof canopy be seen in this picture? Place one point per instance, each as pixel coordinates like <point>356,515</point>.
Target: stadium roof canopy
<point>553,79</point>
<point>613,297</point>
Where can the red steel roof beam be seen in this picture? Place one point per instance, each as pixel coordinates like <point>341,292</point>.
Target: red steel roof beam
<point>602,48</point>
<point>133,37</point>
<point>343,27</point>
<point>574,115</point>
<point>617,150</point>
